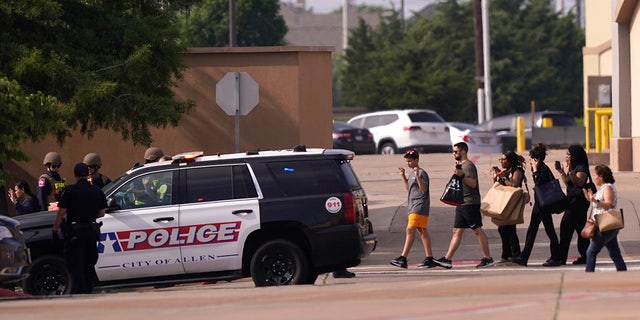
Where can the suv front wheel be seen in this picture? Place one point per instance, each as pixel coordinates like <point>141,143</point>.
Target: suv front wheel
<point>388,148</point>
<point>279,262</point>
<point>48,276</point>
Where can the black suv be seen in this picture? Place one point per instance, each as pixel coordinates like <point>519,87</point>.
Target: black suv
<point>280,217</point>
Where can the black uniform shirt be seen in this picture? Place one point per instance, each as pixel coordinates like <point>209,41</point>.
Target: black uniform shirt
<point>82,201</point>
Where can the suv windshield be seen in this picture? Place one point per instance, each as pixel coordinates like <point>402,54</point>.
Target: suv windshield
<point>425,117</point>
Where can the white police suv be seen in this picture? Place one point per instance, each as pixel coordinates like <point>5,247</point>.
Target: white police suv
<point>280,217</point>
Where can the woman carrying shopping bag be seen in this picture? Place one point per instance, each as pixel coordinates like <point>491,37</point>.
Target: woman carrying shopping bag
<point>512,174</point>
<point>601,202</point>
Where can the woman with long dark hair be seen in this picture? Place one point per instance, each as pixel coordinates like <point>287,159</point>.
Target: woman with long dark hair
<point>574,218</point>
<point>511,174</point>
<point>541,174</point>
<point>20,195</point>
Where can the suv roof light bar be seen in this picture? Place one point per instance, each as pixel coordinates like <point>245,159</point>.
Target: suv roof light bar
<point>187,156</point>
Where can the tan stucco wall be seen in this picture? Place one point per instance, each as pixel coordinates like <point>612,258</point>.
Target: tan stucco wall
<point>295,107</point>
<point>626,110</point>
<point>597,22</point>
<point>597,50</point>
<point>634,35</point>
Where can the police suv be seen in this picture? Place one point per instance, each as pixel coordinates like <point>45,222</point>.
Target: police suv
<point>280,217</point>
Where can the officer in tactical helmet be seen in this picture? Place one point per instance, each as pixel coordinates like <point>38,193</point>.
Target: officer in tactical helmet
<point>94,163</point>
<point>50,184</point>
<point>153,154</point>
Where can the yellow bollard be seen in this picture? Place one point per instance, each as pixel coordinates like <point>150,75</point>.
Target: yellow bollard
<point>604,119</point>
<point>547,122</point>
<point>520,138</point>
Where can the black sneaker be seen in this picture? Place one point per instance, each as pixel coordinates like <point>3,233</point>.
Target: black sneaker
<point>580,260</point>
<point>343,273</point>
<point>428,263</point>
<point>520,261</point>
<point>400,262</point>
<point>552,263</point>
<point>485,263</point>
<point>444,262</point>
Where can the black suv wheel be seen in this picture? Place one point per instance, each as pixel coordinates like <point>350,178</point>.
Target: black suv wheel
<point>48,276</point>
<point>279,262</point>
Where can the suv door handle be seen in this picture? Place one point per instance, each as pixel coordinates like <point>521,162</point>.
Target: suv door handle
<point>163,219</point>
<point>243,212</point>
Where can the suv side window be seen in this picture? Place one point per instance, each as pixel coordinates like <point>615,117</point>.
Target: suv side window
<point>219,183</point>
<point>372,121</point>
<point>307,177</point>
<point>147,190</point>
<point>387,119</point>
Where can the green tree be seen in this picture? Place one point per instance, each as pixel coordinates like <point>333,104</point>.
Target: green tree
<point>258,24</point>
<point>370,64</point>
<point>73,64</point>
<point>535,55</point>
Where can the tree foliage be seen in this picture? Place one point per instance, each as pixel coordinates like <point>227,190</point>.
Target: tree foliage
<point>258,24</point>
<point>535,56</point>
<point>78,64</point>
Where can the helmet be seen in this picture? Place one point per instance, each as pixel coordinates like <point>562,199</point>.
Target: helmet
<point>52,158</point>
<point>153,154</point>
<point>92,159</point>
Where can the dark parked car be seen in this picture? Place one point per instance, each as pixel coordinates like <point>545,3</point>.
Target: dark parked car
<point>14,257</point>
<point>346,136</point>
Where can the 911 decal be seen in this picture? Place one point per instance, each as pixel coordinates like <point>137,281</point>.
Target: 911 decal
<point>169,237</point>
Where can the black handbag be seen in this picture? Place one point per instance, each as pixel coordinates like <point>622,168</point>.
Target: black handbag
<point>550,197</point>
<point>453,194</point>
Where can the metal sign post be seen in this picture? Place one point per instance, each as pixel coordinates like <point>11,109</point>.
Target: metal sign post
<point>237,94</point>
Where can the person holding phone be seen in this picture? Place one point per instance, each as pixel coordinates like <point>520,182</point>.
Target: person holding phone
<point>574,218</point>
<point>541,174</point>
<point>511,175</point>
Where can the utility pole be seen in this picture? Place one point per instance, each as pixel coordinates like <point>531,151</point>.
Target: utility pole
<point>486,52</point>
<point>402,14</point>
<point>477,23</point>
<point>345,25</point>
<point>232,23</point>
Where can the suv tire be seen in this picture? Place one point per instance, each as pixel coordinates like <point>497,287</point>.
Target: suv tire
<point>48,275</point>
<point>388,148</point>
<point>279,262</point>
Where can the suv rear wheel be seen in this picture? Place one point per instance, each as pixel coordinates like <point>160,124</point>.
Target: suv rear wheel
<point>388,148</point>
<point>279,262</point>
<point>48,276</point>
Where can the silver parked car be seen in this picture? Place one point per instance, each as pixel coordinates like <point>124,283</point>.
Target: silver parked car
<point>395,131</point>
<point>478,139</point>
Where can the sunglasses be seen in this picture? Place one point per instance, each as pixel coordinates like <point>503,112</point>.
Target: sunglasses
<point>56,166</point>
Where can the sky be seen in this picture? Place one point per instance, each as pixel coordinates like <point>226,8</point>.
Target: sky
<point>325,6</point>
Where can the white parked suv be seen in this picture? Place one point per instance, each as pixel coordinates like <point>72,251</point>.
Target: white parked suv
<point>395,131</point>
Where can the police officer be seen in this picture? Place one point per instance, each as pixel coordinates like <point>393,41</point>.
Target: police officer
<point>50,184</point>
<point>94,163</point>
<point>79,206</point>
<point>153,154</point>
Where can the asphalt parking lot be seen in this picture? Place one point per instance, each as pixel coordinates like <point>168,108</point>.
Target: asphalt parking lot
<point>381,291</point>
